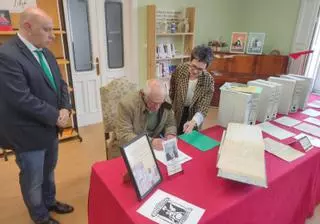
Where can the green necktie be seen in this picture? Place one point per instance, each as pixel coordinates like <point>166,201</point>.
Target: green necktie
<point>46,68</point>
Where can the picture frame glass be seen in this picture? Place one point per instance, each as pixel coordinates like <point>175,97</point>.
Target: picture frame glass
<point>142,166</point>
<point>238,42</point>
<point>255,43</point>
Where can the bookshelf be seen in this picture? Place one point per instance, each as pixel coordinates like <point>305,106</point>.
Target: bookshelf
<point>183,41</point>
<point>59,47</point>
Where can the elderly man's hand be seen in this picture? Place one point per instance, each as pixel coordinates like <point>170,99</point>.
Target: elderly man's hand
<point>157,144</point>
<point>170,136</point>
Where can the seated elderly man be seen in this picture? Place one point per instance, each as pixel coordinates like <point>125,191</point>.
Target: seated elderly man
<point>148,111</point>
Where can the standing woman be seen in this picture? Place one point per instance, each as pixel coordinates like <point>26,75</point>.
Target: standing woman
<point>191,90</point>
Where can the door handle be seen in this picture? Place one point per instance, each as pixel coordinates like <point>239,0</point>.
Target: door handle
<point>97,66</point>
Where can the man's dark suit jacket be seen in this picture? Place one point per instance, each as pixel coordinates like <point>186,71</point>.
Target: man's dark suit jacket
<point>29,105</point>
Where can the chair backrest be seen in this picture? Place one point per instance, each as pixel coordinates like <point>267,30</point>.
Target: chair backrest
<point>110,97</point>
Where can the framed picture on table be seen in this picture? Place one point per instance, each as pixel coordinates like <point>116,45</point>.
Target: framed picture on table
<point>238,42</point>
<point>142,166</point>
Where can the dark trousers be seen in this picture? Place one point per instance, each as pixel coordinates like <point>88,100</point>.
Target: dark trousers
<point>184,119</point>
<point>36,179</point>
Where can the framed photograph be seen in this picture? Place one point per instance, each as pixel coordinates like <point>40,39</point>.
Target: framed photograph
<point>255,43</point>
<point>238,42</point>
<point>5,22</point>
<point>141,164</point>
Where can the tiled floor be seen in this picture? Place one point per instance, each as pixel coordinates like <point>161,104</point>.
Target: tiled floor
<point>72,178</point>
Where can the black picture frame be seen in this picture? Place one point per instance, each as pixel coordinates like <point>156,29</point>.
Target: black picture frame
<point>144,179</point>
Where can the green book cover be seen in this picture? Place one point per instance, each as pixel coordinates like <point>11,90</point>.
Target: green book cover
<point>200,141</point>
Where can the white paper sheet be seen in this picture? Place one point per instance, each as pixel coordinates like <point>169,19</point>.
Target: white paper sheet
<point>311,112</point>
<point>313,120</point>
<point>182,158</point>
<point>308,128</point>
<point>287,121</point>
<point>314,141</point>
<point>275,131</point>
<point>282,151</point>
<point>315,104</point>
<point>165,208</point>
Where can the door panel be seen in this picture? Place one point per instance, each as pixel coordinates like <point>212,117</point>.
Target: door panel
<point>100,40</point>
<point>304,32</point>
<point>84,49</point>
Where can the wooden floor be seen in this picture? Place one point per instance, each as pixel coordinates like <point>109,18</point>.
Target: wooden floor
<point>72,178</point>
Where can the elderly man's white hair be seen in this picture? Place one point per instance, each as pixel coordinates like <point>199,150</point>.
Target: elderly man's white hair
<point>155,86</point>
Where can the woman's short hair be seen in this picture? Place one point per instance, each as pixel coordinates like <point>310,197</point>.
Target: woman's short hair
<point>202,53</point>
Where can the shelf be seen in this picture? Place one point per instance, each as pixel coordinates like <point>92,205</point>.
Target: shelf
<point>14,32</point>
<point>175,58</point>
<point>62,61</point>
<point>175,34</point>
<point>68,133</point>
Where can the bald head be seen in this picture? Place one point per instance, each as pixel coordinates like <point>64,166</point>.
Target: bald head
<point>36,26</point>
<point>155,92</point>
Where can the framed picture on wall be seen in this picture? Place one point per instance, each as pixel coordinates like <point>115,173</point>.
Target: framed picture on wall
<point>238,42</point>
<point>255,43</point>
<point>5,22</point>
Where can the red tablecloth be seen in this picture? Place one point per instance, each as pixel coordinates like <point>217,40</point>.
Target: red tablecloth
<point>292,194</point>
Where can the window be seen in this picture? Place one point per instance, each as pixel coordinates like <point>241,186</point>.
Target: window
<point>80,34</point>
<point>114,33</point>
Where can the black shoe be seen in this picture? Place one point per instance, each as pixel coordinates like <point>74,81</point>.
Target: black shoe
<point>48,221</point>
<point>61,208</point>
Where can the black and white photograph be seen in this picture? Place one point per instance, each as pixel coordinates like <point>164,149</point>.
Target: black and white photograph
<point>163,207</point>
<point>171,212</point>
<point>171,149</point>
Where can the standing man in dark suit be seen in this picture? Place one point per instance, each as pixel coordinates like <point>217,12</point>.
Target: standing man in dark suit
<point>34,104</point>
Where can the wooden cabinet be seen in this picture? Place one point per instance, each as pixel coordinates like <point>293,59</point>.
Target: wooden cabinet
<point>227,67</point>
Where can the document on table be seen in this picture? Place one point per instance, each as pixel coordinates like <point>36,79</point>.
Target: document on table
<point>162,207</point>
<point>315,104</point>
<point>313,120</point>
<point>314,141</point>
<point>182,158</point>
<point>275,131</point>
<point>282,151</point>
<point>287,121</point>
<point>311,112</point>
<point>308,128</point>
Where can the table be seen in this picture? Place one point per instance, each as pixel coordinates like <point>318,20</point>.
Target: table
<point>292,194</point>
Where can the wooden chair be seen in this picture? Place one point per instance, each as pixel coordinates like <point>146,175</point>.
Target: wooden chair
<point>110,97</point>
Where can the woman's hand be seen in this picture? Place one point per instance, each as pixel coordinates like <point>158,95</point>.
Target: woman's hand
<point>189,126</point>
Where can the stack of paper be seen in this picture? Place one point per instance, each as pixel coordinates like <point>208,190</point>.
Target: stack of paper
<point>298,92</point>
<point>238,103</point>
<point>277,95</point>
<point>288,89</point>
<point>241,155</point>
<point>266,102</point>
<point>307,87</point>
